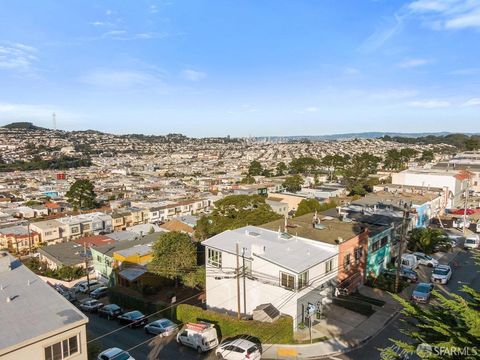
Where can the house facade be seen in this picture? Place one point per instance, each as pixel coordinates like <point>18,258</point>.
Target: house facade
<point>290,272</point>
<point>18,239</point>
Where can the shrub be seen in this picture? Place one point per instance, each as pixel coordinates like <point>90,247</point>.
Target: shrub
<point>356,305</point>
<point>279,332</point>
<point>129,299</point>
<point>386,283</point>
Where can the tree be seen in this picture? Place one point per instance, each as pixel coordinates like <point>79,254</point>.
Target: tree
<point>249,179</point>
<point>195,279</point>
<point>293,183</point>
<point>335,163</point>
<point>393,160</point>
<point>255,168</point>
<point>355,174</point>
<point>174,256</point>
<point>425,240</point>
<point>81,195</point>
<point>304,165</point>
<point>307,206</point>
<point>450,321</point>
<point>472,144</point>
<point>281,168</point>
<point>427,156</point>
<point>233,212</point>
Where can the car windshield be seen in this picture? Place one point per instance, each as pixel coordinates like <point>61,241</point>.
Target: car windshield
<point>252,349</point>
<point>166,323</point>
<point>423,288</point>
<point>440,271</point>
<point>470,241</point>
<point>121,356</point>
<point>135,314</point>
<point>112,307</point>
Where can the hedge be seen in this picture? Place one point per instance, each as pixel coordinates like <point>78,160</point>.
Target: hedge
<point>129,299</point>
<point>358,306</point>
<point>278,332</point>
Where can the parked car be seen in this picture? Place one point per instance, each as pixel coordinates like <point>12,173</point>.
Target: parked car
<point>405,273</point>
<point>471,242</point>
<point>115,354</point>
<point>441,274</point>
<point>84,287</point>
<point>426,260</point>
<point>162,327</point>
<point>238,349</point>
<point>133,318</point>
<point>422,292</point>
<point>110,311</point>
<point>69,296</point>
<point>409,261</point>
<point>201,337</point>
<point>91,305</point>
<point>99,292</point>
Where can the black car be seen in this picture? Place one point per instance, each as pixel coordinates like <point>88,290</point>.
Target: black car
<point>99,293</point>
<point>133,319</point>
<point>110,311</point>
<point>406,274</point>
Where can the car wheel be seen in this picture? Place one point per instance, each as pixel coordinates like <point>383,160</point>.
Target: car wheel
<point>430,265</point>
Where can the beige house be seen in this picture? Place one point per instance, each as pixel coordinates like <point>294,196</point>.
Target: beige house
<point>50,231</point>
<point>60,328</point>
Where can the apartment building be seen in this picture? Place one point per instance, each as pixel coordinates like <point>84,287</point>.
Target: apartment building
<point>50,231</point>
<point>18,238</point>
<point>58,330</point>
<point>287,271</point>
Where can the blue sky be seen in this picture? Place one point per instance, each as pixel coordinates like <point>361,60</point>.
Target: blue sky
<point>259,67</point>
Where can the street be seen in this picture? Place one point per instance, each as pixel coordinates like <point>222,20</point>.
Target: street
<point>466,274</point>
<point>143,346</point>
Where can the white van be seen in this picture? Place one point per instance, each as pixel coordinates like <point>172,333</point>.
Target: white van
<point>409,261</point>
<point>201,337</point>
<point>471,242</point>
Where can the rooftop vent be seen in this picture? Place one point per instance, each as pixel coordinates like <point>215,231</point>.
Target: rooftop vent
<point>327,218</point>
<point>252,233</point>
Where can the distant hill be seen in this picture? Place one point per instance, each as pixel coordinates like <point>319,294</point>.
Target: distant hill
<point>347,136</point>
<point>23,125</point>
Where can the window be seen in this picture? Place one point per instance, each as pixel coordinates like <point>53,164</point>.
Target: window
<point>287,280</point>
<point>375,246</point>
<point>75,229</point>
<point>214,258</point>
<point>329,266</point>
<point>302,280</point>
<point>99,258</point>
<point>358,255</point>
<point>346,262</point>
<point>384,241</point>
<point>48,233</point>
<point>63,349</point>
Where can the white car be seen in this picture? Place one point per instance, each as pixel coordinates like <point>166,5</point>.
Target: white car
<point>471,242</point>
<point>90,305</point>
<point>162,327</point>
<point>441,274</point>
<point>238,349</point>
<point>115,354</point>
<point>426,260</point>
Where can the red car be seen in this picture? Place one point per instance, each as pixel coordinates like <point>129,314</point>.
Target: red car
<point>461,211</point>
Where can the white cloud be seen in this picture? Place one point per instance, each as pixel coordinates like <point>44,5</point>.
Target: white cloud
<point>193,75</point>
<point>153,9</point>
<point>351,71</point>
<point>447,14</point>
<point>311,109</point>
<point>382,35</point>
<point>472,102</point>
<point>429,104</point>
<point>410,63</point>
<point>123,79</point>
<point>17,56</point>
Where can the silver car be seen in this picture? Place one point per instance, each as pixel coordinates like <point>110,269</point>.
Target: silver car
<point>162,327</point>
<point>441,274</point>
<point>91,305</point>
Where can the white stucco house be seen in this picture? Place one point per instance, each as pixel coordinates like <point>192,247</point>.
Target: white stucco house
<point>287,271</point>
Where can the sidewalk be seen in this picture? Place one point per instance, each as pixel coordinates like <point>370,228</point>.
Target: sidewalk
<point>359,335</point>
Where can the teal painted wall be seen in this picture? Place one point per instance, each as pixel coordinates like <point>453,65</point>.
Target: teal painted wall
<point>376,260</point>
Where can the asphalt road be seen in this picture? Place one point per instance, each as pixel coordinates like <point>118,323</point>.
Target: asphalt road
<point>466,274</point>
<point>139,344</point>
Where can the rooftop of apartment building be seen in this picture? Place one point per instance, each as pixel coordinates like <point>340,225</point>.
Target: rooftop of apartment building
<point>31,309</point>
<point>284,249</point>
<point>329,229</point>
<point>396,199</point>
<point>122,245</point>
<point>64,254</point>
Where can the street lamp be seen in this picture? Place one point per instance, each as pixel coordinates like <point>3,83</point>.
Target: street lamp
<point>406,215</point>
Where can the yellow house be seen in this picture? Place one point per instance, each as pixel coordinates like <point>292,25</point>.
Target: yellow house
<point>136,255</point>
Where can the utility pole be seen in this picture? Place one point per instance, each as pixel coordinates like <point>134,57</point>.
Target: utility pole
<point>244,282</point>
<point>467,190</point>
<point>29,237</point>
<point>86,266</point>
<point>238,281</point>
<point>406,214</point>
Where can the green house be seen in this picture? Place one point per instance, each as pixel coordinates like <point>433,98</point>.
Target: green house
<point>379,250</point>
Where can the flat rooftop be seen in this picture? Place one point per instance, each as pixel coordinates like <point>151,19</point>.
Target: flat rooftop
<point>333,228</point>
<point>285,250</point>
<point>35,310</point>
